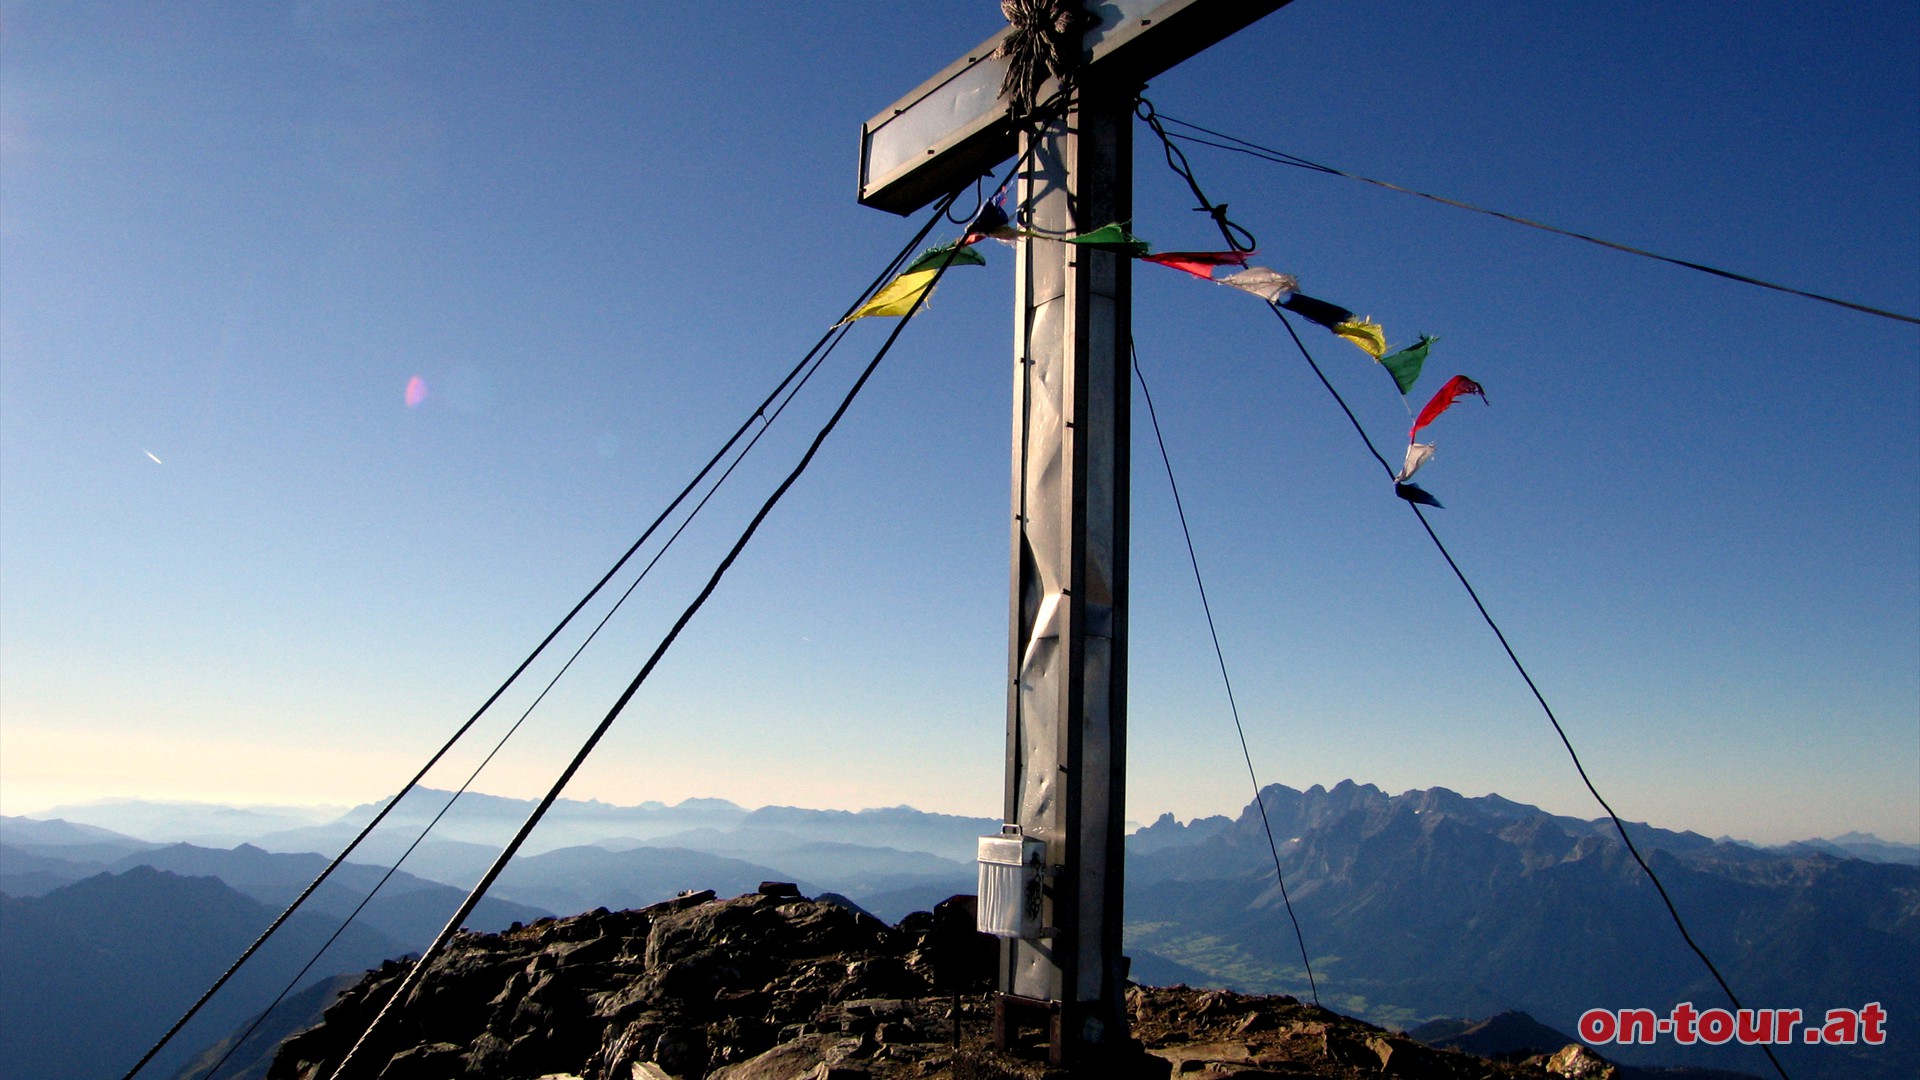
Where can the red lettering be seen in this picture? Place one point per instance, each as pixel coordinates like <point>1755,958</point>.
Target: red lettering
<point>1756,1026</point>
<point>1597,1026</point>
<point>1637,1025</point>
<point>1683,1018</point>
<point>1716,1026</point>
<point>1784,1021</point>
<point>1752,1027</point>
<point>1842,1026</point>
<point>1873,1020</point>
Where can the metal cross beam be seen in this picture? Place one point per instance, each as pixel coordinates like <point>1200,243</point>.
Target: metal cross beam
<point>1067,694</point>
<point>954,127</point>
<point>1065,794</point>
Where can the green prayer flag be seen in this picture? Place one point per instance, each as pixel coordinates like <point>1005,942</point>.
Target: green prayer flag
<point>933,257</point>
<point>1406,364</point>
<point>1114,238</point>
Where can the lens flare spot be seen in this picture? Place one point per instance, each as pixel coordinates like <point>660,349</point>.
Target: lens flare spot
<point>416,391</point>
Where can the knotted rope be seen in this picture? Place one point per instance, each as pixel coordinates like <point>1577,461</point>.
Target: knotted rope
<point>1044,44</point>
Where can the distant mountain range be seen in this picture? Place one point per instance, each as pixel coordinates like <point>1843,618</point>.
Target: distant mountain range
<point>1431,904</point>
<point>1415,906</point>
<point>701,824</point>
<point>175,822</point>
<point>1856,845</point>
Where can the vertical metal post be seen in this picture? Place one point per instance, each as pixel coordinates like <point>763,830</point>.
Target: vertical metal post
<point>1066,700</point>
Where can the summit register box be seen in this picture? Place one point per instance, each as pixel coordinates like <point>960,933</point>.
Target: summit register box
<point>1010,872</point>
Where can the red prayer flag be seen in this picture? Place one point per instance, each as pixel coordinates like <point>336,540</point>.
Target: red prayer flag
<point>1455,388</point>
<point>1198,263</point>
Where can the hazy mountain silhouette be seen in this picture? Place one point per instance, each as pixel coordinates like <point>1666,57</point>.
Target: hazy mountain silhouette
<point>886,881</point>
<point>37,857</point>
<point>1857,846</point>
<point>63,840</point>
<point>583,878</point>
<point>490,820</point>
<point>92,973</point>
<point>192,822</point>
<point>408,909</point>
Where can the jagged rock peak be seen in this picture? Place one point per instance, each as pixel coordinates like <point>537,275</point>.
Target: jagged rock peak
<point>773,986</point>
<point>691,986</point>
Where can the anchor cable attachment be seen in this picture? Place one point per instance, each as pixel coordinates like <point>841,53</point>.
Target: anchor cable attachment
<point>1237,237</point>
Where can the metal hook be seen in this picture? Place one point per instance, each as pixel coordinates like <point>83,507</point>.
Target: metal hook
<point>979,203</point>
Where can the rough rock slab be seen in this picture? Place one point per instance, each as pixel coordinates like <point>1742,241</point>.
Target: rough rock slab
<point>792,1060</point>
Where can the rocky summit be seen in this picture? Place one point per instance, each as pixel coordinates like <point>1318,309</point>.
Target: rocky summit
<point>775,986</point>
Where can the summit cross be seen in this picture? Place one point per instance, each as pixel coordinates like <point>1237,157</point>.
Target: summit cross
<point>1065,796</point>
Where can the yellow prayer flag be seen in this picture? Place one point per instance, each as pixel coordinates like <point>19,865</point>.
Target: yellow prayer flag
<point>1365,333</point>
<point>899,296</point>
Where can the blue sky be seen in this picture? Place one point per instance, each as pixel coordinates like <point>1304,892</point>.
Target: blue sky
<point>236,565</point>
